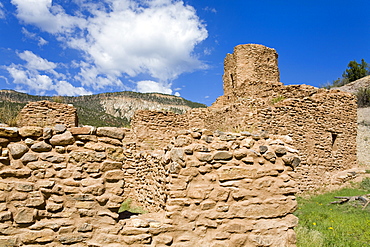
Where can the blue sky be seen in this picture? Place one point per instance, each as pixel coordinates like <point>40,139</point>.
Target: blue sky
<point>77,47</point>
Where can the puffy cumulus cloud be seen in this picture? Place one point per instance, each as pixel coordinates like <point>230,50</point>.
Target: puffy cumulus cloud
<point>35,62</point>
<point>47,16</point>
<point>152,86</point>
<point>123,38</point>
<point>39,75</point>
<point>30,79</point>
<point>158,39</point>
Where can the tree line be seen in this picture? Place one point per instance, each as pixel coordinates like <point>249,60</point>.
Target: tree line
<point>354,72</point>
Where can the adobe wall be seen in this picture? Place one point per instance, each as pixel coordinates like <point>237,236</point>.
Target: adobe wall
<point>45,113</point>
<point>321,123</point>
<point>64,187</point>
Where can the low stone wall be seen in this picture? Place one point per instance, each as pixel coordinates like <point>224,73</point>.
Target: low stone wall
<point>228,189</point>
<point>64,187</point>
<point>45,113</point>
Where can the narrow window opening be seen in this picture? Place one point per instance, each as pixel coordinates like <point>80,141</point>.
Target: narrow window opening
<point>333,138</point>
<point>232,80</point>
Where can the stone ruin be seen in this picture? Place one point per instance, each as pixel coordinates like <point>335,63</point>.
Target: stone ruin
<point>322,124</point>
<point>221,176</point>
<point>64,186</point>
<point>45,113</point>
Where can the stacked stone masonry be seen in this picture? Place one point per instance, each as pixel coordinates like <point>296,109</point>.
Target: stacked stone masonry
<point>45,113</point>
<point>63,186</point>
<point>321,123</point>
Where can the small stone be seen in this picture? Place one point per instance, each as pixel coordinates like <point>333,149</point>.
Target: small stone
<point>263,149</point>
<point>29,157</point>
<point>222,155</point>
<point>53,158</point>
<point>41,147</point>
<point>29,141</point>
<point>8,132</point>
<point>47,133</point>
<point>5,216</point>
<point>86,130</point>
<point>25,216</point>
<point>85,227</point>
<point>62,139</point>
<point>30,131</point>
<point>3,142</point>
<point>108,165</point>
<point>59,128</point>
<point>17,150</point>
<point>71,238</point>
<point>113,176</point>
<point>280,151</point>
<point>201,156</point>
<point>113,132</point>
<point>25,187</point>
<point>270,156</point>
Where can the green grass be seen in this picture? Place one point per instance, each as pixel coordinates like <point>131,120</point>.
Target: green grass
<point>334,225</point>
<point>127,206</point>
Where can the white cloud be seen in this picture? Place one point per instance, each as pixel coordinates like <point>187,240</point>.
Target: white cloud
<point>28,77</point>
<point>177,94</point>
<point>123,38</point>
<point>34,36</point>
<point>47,16</point>
<point>35,62</point>
<point>2,13</point>
<point>66,88</point>
<point>152,86</point>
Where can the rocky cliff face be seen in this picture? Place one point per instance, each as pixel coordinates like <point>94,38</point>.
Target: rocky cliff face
<point>126,107</point>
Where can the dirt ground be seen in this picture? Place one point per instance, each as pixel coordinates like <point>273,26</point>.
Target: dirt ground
<point>363,137</point>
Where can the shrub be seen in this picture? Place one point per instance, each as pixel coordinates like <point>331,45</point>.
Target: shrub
<point>365,184</point>
<point>9,113</point>
<point>277,99</point>
<point>363,97</point>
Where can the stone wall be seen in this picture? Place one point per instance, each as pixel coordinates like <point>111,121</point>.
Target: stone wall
<point>45,113</point>
<point>64,187</point>
<point>231,189</point>
<point>321,123</point>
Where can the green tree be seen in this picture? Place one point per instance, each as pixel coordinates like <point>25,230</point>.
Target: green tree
<point>356,70</point>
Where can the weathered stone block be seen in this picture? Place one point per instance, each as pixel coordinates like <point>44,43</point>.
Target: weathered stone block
<point>138,239</point>
<point>8,132</point>
<point>29,157</point>
<point>222,155</point>
<point>30,131</point>
<point>62,139</point>
<point>86,130</point>
<point>116,153</point>
<point>41,147</point>
<point>71,238</point>
<point>19,173</point>
<point>25,216</point>
<point>17,150</point>
<point>38,237</point>
<point>108,165</point>
<point>117,133</point>
<point>113,176</point>
<point>5,216</point>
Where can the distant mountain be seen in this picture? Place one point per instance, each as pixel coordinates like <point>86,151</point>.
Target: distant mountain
<point>106,109</point>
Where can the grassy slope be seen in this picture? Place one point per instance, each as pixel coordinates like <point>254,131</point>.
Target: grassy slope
<point>334,225</point>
